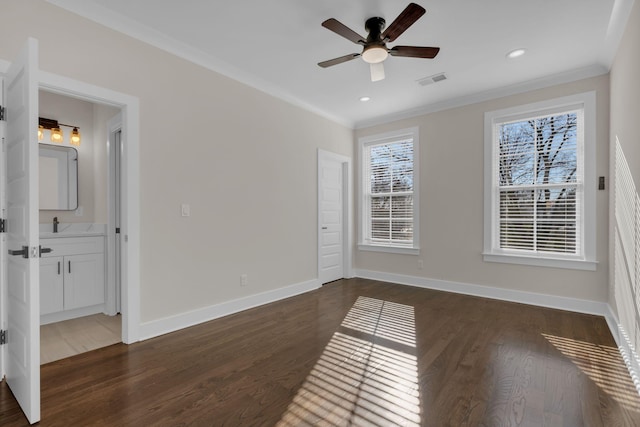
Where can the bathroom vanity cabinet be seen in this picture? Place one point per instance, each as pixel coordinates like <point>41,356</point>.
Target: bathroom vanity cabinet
<point>72,277</point>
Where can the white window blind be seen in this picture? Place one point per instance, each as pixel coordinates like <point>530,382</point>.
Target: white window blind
<point>389,193</point>
<point>539,183</point>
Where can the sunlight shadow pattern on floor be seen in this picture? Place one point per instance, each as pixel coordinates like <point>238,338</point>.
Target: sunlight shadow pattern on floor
<point>603,366</point>
<point>367,373</point>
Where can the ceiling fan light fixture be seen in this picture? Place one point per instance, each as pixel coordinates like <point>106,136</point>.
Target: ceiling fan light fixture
<point>377,71</point>
<point>374,54</point>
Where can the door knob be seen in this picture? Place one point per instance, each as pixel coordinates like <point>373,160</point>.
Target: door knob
<point>324,228</point>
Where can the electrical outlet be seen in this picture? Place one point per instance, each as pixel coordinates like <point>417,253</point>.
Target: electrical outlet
<point>420,264</point>
<point>185,209</point>
<point>243,280</point>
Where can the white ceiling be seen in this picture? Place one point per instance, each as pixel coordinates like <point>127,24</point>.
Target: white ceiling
<point>275,46</point>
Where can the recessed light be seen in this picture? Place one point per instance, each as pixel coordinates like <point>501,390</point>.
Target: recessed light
<point>515,53</point>
<point>365,99</point>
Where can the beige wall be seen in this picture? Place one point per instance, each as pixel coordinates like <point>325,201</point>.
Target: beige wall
<point>243,160</point>
<point>451,202</point>
<point>625,141</point>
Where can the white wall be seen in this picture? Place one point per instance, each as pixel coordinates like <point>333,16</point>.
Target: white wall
<point>101,115</point>
<point>243,160</point>
<point>451,203</point>
<point>75,112</point>
<point>92,154</point>
<point>625,205</point>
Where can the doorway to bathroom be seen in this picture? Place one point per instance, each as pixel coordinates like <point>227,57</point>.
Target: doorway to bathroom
<point>80,278</point>
<point>19,281</point>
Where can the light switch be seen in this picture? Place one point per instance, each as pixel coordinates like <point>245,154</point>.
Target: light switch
<point>186,209</point>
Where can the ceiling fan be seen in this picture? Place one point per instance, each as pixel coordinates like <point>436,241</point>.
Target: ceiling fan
<point>375,49</point>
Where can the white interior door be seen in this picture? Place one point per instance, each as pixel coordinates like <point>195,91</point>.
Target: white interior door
<point>330,217</point>
<point>23,296</point>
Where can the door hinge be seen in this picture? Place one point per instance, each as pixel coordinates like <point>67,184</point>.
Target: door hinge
<point>117,230</point>
<point>3,225</point>
<point>3,337</point>
<point>2,113</point>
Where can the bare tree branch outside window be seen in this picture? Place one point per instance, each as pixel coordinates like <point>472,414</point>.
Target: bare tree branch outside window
<point>390,196</point>
<point>537,184</point>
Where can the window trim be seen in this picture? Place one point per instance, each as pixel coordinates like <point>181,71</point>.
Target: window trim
<point>492,253</point>
<point>393,136</point>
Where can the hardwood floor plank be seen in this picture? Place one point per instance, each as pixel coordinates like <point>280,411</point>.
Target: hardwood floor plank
<point>356,352</point>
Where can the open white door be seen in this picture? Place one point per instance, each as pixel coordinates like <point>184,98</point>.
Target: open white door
<point>22,362</point>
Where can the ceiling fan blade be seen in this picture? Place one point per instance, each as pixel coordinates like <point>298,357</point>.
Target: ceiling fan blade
<point>342,30</point>
<point>377,72</point>
<point>340,60</point>
<point>406,19</point>
<point>414,51</point>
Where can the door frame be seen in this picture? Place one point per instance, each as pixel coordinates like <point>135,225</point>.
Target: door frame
<point>347,210</point>
<point>130,182</point>
<point>113,298</point>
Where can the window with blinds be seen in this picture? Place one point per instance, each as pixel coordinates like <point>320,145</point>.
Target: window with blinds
<point>540,183</point>
<point>389,191</point>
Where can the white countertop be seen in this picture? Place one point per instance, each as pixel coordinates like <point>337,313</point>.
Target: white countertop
<point>72,230</point>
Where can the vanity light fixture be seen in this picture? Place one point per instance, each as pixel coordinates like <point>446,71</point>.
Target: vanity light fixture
<point>74,139</point>
<point>56,135</point>
<point>56,132</point>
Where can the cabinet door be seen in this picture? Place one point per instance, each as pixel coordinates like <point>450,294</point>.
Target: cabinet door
<point>83,280</point>
<point>51,285</point>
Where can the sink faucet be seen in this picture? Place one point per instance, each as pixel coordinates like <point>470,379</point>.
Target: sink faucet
<point>55,224</point>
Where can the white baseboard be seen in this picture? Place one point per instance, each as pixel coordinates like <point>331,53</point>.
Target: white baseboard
<point>627,351</point>
<point>191,318</point>
<point>542,300</point>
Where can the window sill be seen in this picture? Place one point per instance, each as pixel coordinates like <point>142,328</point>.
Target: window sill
<point>389,249</point>
<point>573,264</point>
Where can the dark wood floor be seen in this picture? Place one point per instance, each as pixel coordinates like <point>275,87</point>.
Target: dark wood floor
<point>356,352</point>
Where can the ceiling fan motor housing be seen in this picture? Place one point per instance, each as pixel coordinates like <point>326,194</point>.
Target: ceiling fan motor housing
<point>374,26</point>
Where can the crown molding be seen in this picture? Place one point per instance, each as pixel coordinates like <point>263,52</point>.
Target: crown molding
<point>146,34</point>
<point>541,83</point>
<point>620,14</point>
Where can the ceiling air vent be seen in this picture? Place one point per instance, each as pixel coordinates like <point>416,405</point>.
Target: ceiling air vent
<point>432,79</point>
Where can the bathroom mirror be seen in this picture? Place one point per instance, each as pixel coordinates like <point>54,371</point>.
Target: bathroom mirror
<point>58,178</point>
